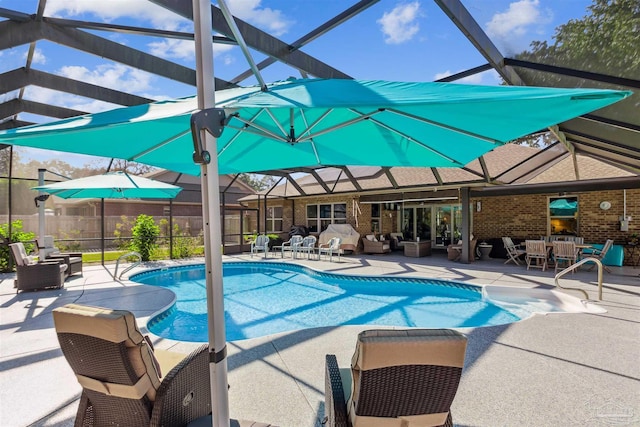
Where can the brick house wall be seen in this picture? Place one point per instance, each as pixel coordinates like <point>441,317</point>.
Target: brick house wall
<point>521,216</point>
<point>527,216</point>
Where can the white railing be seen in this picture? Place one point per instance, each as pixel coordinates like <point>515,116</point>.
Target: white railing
<point>575,266</point>
<point>127,255</point>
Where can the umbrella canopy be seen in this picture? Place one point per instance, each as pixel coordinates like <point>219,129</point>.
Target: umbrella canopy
<point>112,185</point>
<point>324,122</point>
<point>563,207</point>
<point>563,204</point>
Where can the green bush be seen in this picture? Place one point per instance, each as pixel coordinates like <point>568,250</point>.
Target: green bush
<point>145,232</point>
<point>17,235</point>
<point>184,245</point>
<point>67,244</point>
<point>121,242</point>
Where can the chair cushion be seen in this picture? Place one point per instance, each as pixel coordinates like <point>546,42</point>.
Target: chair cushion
<point>20,254</point>
<point>381,348</point>
<point>116,326</point>
<point>371,238</point>
<point>377,349</point>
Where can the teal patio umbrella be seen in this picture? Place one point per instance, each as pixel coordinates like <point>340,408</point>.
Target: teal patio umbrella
<point>323,122</point>
<point>563,207</point>
<point>111,185</point>
<point>306,123</point>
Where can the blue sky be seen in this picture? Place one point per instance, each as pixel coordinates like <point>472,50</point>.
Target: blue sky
<point>392,40</point>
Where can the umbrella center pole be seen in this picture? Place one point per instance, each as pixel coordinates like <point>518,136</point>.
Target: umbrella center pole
<point>292,130</point>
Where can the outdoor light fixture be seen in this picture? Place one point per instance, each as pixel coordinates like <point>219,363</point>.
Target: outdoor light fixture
<point>478,206</point>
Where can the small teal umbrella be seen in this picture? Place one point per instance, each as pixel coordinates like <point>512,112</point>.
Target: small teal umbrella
<point>563,207</point>
<point>111,185</point>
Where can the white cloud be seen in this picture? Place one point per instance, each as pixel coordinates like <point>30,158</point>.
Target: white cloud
<point>182,49</point>
<point>172,48</point>
<point>400,25</point>
<point>474,79</point>
<point>271,20</point>
<point>228,59</point>
<point>38,57</point>
<point>67,100</point>
<point>114,76</point>
<point>508,28</point>
<point>110,10</point>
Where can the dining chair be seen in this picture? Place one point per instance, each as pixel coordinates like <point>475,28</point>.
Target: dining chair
<point>513,252</point>
<point>536,250</point>
<point>565,252</point>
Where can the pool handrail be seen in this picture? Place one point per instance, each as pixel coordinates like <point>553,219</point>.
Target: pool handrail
<point>575,266</point>
<point>127,255</point>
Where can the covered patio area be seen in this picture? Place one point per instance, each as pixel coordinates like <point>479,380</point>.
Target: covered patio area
<point>556,369</point>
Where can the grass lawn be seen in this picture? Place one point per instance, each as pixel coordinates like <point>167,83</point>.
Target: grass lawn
<point>111,256</point>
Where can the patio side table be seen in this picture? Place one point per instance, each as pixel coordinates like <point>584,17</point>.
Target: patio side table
<point>485,250</point>
<point>633,252</point>
<point>417,249</point>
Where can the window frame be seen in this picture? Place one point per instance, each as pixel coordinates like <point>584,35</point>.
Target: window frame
<point>272,219</point>
<point>319,221</point>
<point>575,217</point>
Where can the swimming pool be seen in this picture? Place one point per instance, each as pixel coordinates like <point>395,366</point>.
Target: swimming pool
<point>266,298</point>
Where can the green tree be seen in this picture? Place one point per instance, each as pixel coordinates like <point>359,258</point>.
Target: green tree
<point>133,168</point>
<point>5,152</point>
<point>17,235</point>
<point>604,41</point>
<point>145,232</point>
<point>258,182</point>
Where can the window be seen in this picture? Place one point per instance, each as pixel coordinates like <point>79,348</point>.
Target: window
<point>320,216</point>
<point>563,216</point>
<point>375,218</point>
<point>274,219</point>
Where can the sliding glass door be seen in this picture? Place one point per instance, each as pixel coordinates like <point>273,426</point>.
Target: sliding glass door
<point>440,224</point>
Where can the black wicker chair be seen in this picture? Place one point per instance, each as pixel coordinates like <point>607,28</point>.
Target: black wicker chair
<point>73,260</point>
<point>32,275</point>
<point>410,376</point>
<point>123,383</point>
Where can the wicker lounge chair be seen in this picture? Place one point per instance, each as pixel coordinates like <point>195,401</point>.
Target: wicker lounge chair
<point>260,244</point>
<point>399,378</point>
<point>124,381</point>
<point>32,275</point>
<point>330,248</point>
<point>72,259</point>
<point>454,252</point>
<point>371,245</point>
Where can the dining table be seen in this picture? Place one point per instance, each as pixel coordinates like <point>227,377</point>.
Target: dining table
<point>549,245</point>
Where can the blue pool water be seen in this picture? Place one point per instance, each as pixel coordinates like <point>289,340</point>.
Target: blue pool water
<point>266,298</point>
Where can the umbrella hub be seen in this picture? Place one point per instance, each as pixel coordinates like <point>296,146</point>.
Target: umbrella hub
<point>213,121</point>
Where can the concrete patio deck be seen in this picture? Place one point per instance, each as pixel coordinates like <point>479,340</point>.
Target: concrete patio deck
<point>548,370</point>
